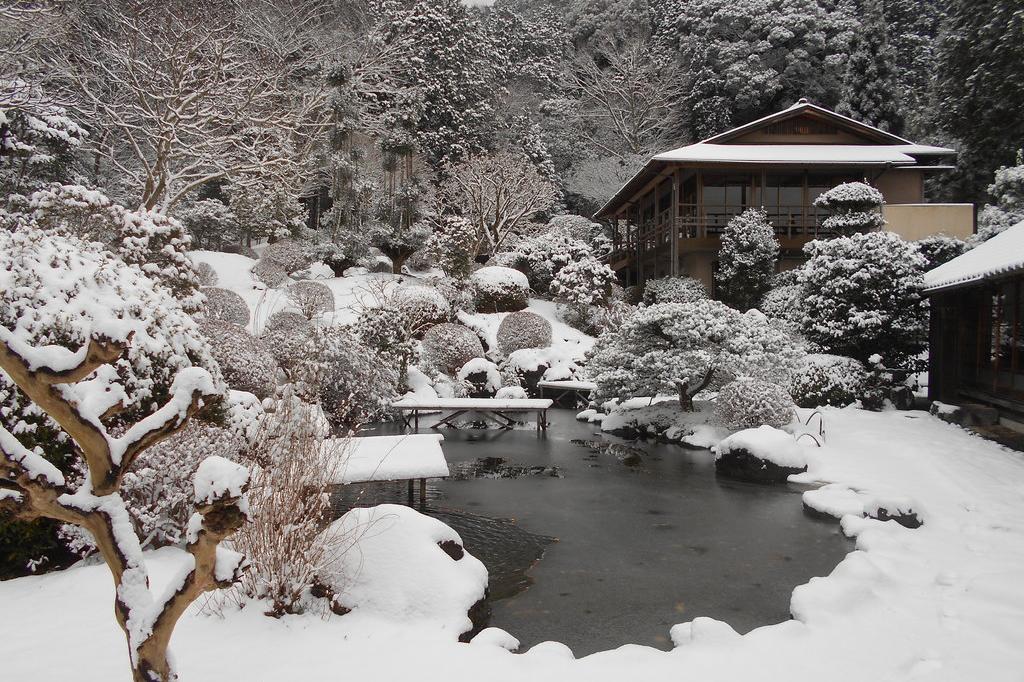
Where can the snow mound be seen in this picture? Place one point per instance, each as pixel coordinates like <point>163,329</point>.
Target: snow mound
<point>835,500</point>
<point>703,630</point>
<point>393,566</point>
<point>219,478</point>
<point>551,650</point>
<point>496,637</point>
<point>767,444</point>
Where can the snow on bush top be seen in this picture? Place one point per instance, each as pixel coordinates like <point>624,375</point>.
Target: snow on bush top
<point>857,195</point>
<point>392,565</point>
<point>218,478</point>
<point>59,290</point>
<point>224,304</point>
<point>747,403</point>
<point>447,347</point>
<point>269,273</point>
<point>311,298</point>
<point>499,289</point>
<point>765,443</point>
<point>584,282</point>
<point>492,380</point>
<point>286,321</point>
<point>673,290</point>
<point>287,255</point>
<point>423,305</point>
<point>824,379</point>
<point>498,277</point>
<point>523,329</point>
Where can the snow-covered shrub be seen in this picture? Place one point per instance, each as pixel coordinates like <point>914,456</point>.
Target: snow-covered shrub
<point>499,290</point>
<point>863,295</point>
<point>155,242</point>
<point>207,275</point>
<point>289,503</point>
<point>688,347</point>
<point>423,305</point>
<point>783,304</point>
<point>824,379</point>
<point>287,335</point>
<point>481,376</point>
<point>269,273</point>
<point>387,330</point>
<point>287,254</point>
<point>605,318</point>
<point>584,282</point>
<point>939,249</point>
<point>528,366</point>
<point>329,253</point>
<point>511,393</point>
<point>855,207</point>
<point>1007,189</point>
<point>246,362</point>
<point>748,403</point>
<point>39,139</point>
<point>355,385</point>
<point>224,304</point>
<point>523,329</point>
<point>311,298</point>
<point>746,259</point>
<point>266,211</point>
<point>448,347</point>
<point>452,246</point>
<point>58,289</point>
<point>403,566</point>
<point>542,256</point>
<point>455,291</point>
<point>673,290</point>
<point>398,241</point>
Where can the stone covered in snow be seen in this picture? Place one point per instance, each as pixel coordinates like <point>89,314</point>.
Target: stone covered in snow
<point>764,455</point>
<point>398,564</point>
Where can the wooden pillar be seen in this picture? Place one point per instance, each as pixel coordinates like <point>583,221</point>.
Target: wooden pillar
<point>674,224</point>
<point>701,225</point>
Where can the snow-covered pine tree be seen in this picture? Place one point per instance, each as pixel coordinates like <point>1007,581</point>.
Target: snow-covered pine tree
<point>855,207</point>
<point>747,259</point>
<point>862,296</point>
<point>870,92</point>
<point>1008,192</point>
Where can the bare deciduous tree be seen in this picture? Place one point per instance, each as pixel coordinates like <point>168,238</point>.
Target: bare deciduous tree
<point>181,97</point>
<point>498,194</point>
<point>626,96</point>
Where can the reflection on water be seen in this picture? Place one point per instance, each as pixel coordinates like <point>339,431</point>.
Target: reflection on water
<point>647,535</point>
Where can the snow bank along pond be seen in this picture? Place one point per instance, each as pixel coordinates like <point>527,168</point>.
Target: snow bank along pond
<point>597,542</point>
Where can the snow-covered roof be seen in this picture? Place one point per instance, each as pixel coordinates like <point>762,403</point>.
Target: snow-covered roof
<point>804,154</point>
<point>1000,255</point>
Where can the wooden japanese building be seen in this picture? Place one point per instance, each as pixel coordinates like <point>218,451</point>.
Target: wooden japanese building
<point>667,219</point>
<point>977,326</point>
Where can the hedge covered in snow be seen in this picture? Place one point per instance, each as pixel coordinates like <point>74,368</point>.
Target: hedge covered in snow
<point>448,347</point>
<point>271,274</point>
<point>423,305</point>
<point>523,329</point>
<point>288,255</point>
<point>748,403</point>
<point>499,290</point>
<point>287,335</point>
<point>226,305</point>
<point>823,379</point>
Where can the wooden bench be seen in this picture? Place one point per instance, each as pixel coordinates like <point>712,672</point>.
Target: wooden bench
<point>491,409</point>
<point>578,390</point>
<point>409,457</point>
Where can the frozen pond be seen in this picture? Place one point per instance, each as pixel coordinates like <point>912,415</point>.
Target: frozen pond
<point>634,537</point>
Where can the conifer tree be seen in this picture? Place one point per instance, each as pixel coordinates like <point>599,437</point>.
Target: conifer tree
<point>747,259</point>
<point>870,92</point>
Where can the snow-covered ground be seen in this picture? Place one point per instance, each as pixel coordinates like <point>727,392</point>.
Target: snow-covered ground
<point>941,602</point>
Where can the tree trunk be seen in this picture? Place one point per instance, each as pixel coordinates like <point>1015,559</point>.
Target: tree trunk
<point>685,399</point>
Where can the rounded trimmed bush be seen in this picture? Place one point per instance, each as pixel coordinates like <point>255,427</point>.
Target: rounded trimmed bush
<point>424,305</point>
<point>207,275</point>
<point>823,379</point>
<point>673,290</point>
<point>311,298</point>
<point>498,289</point>
<point>270,273</point>
<point>245,361</point>
<point>455,291</point>
<point>482,377</point>
<point>288,337</point>
<point>226,305</point>
<point>288,255</point>
<point>523,329</point>
<point>749,403</point>
<point>448,347</point>
<point>783,304</point>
